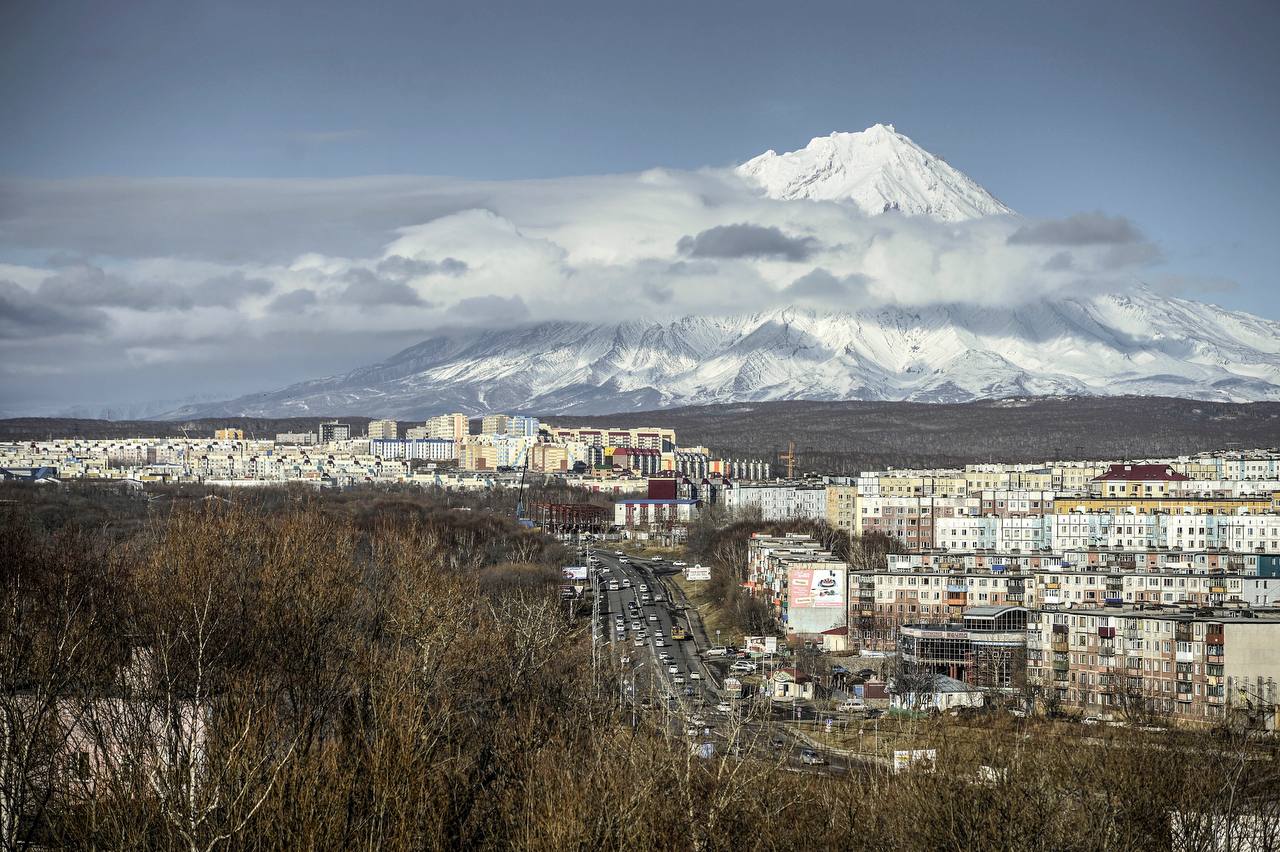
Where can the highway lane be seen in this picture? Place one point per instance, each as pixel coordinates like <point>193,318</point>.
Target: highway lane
<point>755,733</point>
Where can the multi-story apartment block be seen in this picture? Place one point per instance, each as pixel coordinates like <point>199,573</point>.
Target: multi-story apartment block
<point>804,584</point>
<point>429,449</point>
<point>655,438</point>
<point>384,430</point>
<point>1137,480</point>
<point>778,501</point>
<point>333,431</point>
<point>842,507</point>
<point>1193,664</point>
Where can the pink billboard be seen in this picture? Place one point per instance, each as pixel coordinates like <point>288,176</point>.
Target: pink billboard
<point>809,588</point>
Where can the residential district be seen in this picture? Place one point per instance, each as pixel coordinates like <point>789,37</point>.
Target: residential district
<point>1099,585</point>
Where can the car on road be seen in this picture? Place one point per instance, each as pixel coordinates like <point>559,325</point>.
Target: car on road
<point>810,757</point>
<point>677,678</point>
<point>639,643</point>
<point>653,617</point>
<point>697,720</point>
<point>613,586</point>
<point>690,732</point>
<point>1091,720</point>
<point>718,651</point>
<point>695,676</point>
<point>658,643</point>
<point>626,584</point>
<point>723,707</point>
<point>850,705</point>
<point>744,666</point>
<point>673,669</point>
<point>679,564</point>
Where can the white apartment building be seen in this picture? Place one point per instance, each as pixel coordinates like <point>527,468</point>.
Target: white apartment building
<point>778,502</point>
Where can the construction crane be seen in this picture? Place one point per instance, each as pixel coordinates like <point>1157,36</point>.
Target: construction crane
<point>790,458</point>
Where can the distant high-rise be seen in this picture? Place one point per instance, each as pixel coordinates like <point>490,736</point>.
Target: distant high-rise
<point>451,427</point>
<point>334,431</point>
<point>386,430</point>
<point>494,424</point>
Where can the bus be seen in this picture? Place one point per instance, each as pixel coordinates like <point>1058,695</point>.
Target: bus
<point>678,632</point>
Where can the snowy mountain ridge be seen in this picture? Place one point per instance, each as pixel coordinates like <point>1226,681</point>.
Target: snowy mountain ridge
<point>1136,344</point>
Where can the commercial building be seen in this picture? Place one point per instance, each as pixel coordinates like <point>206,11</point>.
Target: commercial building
<point>986,648</point>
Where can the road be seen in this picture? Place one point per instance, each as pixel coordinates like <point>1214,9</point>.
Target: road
<point>757,729</point>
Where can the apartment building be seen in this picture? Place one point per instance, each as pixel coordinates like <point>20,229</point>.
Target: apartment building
<point>655,438</point>
<point>333,432</point>
<point>1193,664</point>
<point>842,507</point>
<point>428,449</point>
<point>781,501</point>
<point>1137,480</point>
<point>805,585</point>
<point>383,430</point>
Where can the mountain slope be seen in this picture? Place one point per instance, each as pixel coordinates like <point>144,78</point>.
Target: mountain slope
<point>1140,343</point>
<point>877,169</point>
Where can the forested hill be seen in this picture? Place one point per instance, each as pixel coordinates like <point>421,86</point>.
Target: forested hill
<point>844,437</point>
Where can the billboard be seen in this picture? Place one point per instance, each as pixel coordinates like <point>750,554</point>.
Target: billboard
<point>904,760</point>
<point>760,644</point>
<point>697,572</point>
<point>577,573</point>
<point>809,588</point>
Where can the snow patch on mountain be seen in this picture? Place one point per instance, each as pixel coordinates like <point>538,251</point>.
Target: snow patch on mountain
<point>1141,343</point>
<point>878,169</point>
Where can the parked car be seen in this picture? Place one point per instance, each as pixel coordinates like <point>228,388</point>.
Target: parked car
<point>679,564</point>
<point>695,676</point>
<point>718,651</point>
<point>811,758</point>
<point>723,707</point>
<point>850,705</point>
<point>745,666</point>
<point>1091,720</point>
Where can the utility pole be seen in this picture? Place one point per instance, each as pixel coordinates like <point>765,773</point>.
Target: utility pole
<point>595,621</point>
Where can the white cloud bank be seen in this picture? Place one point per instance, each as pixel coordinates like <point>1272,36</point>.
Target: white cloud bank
<point>196,273</point>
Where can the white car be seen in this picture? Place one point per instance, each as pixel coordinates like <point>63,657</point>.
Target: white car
<point>673,669</point>
<point>639,643</point>
<point>850,705</point>
<point>694,676</point>
<point>745,666</point>
<point>697,720</point>
<point>679,564</point>
<point>635,625</point>
<point>723,707</point>
<point>643,587</point>
<point>658,643</point>
<point>626,584</point>
<point>653,617</point>
<point>677,678</point>
<point>718,651</point>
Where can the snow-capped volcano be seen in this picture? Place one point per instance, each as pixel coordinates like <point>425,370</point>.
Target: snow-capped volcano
<point>1141,344</point>
<point>879,170</point>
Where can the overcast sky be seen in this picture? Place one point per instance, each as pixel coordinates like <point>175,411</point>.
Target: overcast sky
<point>191,200</point>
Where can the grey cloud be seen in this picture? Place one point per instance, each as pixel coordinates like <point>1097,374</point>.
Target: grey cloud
<point>295,301</point>
<point>23,315</point>
<point>1082,229</point>
<point>398,266</point>
<point>820,286</point>
<point>1060,262</point>
<point>228,290</point>
<point>746,240</point>
<point>368,290</point>
<point>86,285</point>
<point>484,309</point>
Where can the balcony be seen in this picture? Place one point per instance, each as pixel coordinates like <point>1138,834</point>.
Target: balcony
<point>1061,665</point>
<point>1184,656</point>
